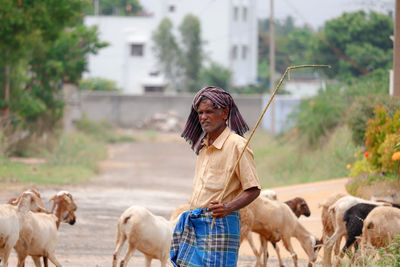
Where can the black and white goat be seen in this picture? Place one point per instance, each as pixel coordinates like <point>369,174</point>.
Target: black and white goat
<point>354,220</point>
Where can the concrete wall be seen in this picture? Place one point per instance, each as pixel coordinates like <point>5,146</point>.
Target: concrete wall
<point>125,110</point>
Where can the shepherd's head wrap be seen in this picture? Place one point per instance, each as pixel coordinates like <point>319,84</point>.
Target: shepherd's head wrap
<point>193,133</point>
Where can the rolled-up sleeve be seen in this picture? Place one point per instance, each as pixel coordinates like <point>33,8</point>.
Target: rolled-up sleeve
<point>246,170</point>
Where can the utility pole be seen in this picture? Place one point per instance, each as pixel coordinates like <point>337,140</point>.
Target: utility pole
<point>272,61</point>
<point>96,7</point>
<point>396,51</point>
<point>272,47</point>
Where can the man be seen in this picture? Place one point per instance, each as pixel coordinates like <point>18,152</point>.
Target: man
<point>214,129</point>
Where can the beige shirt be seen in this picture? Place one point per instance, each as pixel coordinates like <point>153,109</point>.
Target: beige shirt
<point>214,166</point>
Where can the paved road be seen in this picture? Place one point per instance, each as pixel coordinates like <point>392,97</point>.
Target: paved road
<point>154,174</point>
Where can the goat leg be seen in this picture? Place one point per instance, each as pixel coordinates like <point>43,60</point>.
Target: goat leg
<point>120,243</point>
<point>148,261</point>
<point>288,246</point>
<point>128,255</point>
<point>278,254</point>
<point>36,261</point>
<point>53,259</point>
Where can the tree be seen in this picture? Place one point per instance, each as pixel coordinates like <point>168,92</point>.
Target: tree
<point>42,45</point>
<point>61,61</point>
<point>215,75</point>
<point>192,54</point>
<point>181,65</point>
<point>298,46</point>
<point>117,7</point>
<point>355,43</point>
<point>168,53</point>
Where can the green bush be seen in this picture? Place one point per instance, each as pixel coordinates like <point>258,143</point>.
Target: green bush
<point>285,160</point>
<point>97,84</point>
<point>378,128</point>
<point>390,255</point>
<point>362,109</point>
<point>318,116</point>
<point>386,150</point>
<point>351,101</point>
<point>361,167</point>
<point>215,75</point>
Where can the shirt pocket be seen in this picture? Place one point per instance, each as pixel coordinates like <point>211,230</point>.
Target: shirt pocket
<point>215,180</point>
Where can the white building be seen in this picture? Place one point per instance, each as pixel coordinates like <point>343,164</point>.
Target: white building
<point>228,28</point>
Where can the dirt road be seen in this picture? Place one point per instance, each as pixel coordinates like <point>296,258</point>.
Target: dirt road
<point>157,175</point>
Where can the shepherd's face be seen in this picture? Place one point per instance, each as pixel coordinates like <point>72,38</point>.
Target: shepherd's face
<point>212,120</point>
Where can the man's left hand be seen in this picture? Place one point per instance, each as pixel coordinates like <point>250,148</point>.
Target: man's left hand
<point>219,210</point>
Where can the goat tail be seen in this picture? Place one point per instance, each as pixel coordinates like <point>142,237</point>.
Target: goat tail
<point>118,234</point>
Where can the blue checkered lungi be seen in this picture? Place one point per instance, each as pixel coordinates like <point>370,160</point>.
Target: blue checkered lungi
<point>195,244</point>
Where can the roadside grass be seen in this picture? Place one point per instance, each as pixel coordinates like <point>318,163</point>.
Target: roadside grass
<point>21,173</point>
<point>72,160</point>
<point>284,160</point>
<point>372,257</point>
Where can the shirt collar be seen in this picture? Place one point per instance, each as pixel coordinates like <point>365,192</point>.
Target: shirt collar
<point>219,142</point>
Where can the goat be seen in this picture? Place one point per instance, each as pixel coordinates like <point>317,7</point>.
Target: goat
<point>338,209</point>
<point>354,220</point>
<point>12,220</point>
<point>144,231</point>
<point>299,207</point>
<point>39,235</point>
<point>381,226</point>
<point>276,221</point>
<point>268,193</point>
<point>15,200</point>
<point>328,226</point>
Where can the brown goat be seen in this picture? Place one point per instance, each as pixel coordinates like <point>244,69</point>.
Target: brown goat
<point>299,206</point>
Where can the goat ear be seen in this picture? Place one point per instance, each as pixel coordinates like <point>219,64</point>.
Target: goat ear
<point>53,198</point>
<point>13,201</point>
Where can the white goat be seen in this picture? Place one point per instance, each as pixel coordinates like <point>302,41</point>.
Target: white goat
<point>12,220</point>
<point>381,226</point>
<point>276,221</point>
<point>268,193</point>
<point>328,228</point>
<point>146,232</point>
<point>39,237</point>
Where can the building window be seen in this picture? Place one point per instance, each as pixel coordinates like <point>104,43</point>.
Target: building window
<point>235,13</point>
<point>234,52</point>
<point>244,51</point>
<point>244,13</point>
<point>153,89</point>
<point>137,50</point>
<point>171,8</point>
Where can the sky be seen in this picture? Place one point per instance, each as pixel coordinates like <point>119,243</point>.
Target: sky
<point>316,12</point>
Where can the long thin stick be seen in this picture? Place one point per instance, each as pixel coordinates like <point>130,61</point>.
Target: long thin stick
<point>258,122</point>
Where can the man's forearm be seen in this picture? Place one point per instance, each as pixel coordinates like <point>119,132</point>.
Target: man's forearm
<point>243,199</point>
<point>220,210</point>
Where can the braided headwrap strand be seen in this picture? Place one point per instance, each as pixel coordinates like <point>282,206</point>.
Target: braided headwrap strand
<point>193,133</point>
